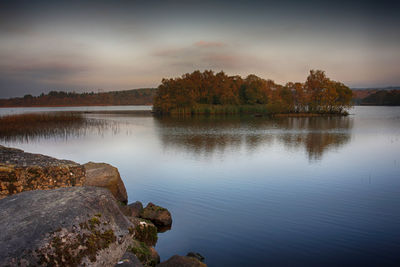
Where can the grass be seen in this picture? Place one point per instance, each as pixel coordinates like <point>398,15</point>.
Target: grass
<point>39,124</point>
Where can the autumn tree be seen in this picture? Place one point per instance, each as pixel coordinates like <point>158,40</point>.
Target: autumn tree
<point>206,89</point>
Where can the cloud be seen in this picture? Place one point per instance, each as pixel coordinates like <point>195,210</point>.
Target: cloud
<point>206,44</point>
<point>216,56</point>
<point>42,71</point>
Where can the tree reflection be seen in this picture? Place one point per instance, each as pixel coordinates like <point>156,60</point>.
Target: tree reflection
<point>207,135</point>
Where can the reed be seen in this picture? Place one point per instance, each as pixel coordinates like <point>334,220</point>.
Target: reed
<point>37,123</point>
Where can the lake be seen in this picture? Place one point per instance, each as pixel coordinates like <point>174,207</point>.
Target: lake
<point>245,191</point>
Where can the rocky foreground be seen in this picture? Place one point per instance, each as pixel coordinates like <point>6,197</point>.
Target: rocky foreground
<point>79,219</point>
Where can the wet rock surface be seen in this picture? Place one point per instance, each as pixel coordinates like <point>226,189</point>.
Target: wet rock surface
<point>21,171</point>
<point>67,226</point>
<point>181,261</point>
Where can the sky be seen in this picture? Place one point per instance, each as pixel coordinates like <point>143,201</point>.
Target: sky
<point>118,45</point>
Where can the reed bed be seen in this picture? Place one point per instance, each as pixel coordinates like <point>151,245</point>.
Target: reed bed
<point>38,124</point>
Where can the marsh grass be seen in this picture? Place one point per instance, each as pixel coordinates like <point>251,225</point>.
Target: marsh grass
<point>39,124</point>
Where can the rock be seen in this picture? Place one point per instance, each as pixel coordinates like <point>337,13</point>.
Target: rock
<point>67,226</point>
<point>105,175</point>
<point>195,255</point>
<point>147,255</point>
<point>21,171</point>
<point>125,209</point>
<point>158,215</point>
<point>129,260</point>
<point>145,231</point>
<point>154,255</point>
<point>181,261</point>
<point>136,208</point>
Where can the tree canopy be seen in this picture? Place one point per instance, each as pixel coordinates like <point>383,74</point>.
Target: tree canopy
<point>204,92</point>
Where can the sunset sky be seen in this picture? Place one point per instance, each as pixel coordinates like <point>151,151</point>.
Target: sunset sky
<point>115,45</point>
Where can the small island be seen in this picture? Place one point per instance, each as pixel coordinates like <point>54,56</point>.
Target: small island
<point>210,93</point>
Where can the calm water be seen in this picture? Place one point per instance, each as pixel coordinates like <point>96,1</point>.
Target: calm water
<point>253,191</point>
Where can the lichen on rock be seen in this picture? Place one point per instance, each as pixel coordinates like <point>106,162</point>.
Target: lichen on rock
<point>21,171</point>
<point>63,227</point>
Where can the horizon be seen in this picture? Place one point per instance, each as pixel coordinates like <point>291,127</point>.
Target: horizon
<point>99,91</point>
<point>101,45</point>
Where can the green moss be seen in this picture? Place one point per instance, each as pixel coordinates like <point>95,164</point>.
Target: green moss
<point>142,251</point>
<point>66,254</point>
<point>97,241</point>
<point>148,211</point>
<point>131,230</point>
<point>147,234</point>
<point>158,208</point>
<point>93,222</point>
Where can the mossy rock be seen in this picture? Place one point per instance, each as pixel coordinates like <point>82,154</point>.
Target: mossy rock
<point>147,233</point>
<point>72,227</point>
<point>160,216</point>
<point>146,254</point>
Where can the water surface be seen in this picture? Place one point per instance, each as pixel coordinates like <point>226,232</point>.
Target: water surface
<point>247,191</point>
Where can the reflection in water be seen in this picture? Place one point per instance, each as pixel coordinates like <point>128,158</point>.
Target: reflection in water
<point>202,135</point>
<point>216,173</point>
<point>206,135</point>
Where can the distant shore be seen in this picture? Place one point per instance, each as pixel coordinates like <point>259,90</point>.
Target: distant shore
<point>77,105</point>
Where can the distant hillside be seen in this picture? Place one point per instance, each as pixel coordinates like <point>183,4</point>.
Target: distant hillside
<point>360,94</point>
<point>377,88</point>
<point>52,99</point>
<point>383,98</point>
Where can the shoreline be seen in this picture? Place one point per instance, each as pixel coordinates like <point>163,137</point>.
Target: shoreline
<point>80,214</point>
<point>86,105</point>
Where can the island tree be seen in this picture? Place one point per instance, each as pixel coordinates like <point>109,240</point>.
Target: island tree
<point>207,92</point>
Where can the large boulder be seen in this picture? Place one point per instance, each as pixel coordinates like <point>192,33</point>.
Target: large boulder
<point>107,176</point>
<point>63,227</point>
<point>21,171</point>
<point>182,261</point>
<point>160,216</point>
